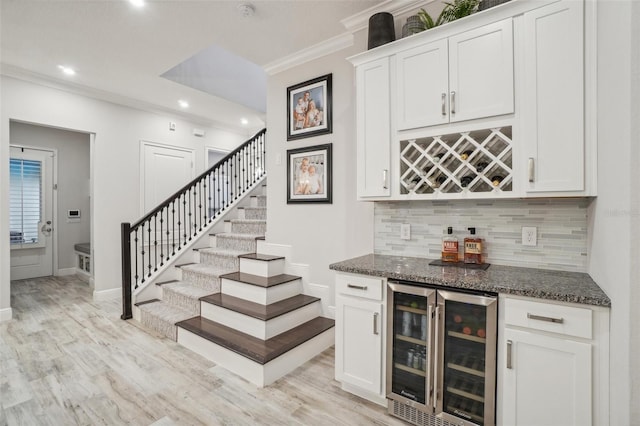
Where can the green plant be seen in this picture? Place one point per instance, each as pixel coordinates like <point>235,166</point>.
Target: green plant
<point>452,11</point>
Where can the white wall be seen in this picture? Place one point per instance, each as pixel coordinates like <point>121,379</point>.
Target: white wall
<point>319,234</point>
<point>73,182</point>
<point>118,131</point>
<point>613,252</point>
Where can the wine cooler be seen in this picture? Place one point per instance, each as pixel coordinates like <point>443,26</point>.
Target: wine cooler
<point>441,355</point>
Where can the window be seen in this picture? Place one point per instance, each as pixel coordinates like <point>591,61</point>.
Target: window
<point>25,199</point>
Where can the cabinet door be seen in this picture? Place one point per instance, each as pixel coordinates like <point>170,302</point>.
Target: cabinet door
<point>373,128</point>
<point>553,121</point>
<point>359,343</point>
<point>423,86</point>
<point>547,380</point>
<point>481,72</point>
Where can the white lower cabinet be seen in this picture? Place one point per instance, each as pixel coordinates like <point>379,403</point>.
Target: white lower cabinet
<point>553,363</point>
<point>360,336</point>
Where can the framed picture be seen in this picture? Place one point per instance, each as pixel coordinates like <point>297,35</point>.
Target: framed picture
<point>309,174</point>
<point>309,108</point>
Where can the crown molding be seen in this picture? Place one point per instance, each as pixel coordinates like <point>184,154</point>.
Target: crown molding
<point>353,24</point>
<point>316,51</point>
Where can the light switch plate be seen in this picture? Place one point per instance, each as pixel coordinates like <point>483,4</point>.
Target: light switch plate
<point>405,231</point>
<point>529,236</point>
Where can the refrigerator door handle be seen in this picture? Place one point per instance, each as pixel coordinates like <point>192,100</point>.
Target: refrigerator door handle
<point>436,351</point>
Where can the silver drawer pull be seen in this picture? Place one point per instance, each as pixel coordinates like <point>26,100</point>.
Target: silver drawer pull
<point>357,287</point>
<point>548,319</point>
<point>509,359</point>
<point>375,323</point>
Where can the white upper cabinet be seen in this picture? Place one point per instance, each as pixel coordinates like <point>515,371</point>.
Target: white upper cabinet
<point>464,77</point>
<point>373,128</point>
<point>553,98</point>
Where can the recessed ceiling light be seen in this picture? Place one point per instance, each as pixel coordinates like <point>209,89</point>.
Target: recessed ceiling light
<point>183,104</point>
<point>67,70</point>
<point>244,121</point>
<point>137,3</point>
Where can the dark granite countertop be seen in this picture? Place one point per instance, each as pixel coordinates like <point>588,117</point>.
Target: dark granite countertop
<point>562,286</point>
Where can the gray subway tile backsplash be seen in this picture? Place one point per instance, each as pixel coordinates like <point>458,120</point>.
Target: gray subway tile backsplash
<point>561,223</point>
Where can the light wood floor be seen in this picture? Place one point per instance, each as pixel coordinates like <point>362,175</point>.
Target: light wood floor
<point>67,360</point>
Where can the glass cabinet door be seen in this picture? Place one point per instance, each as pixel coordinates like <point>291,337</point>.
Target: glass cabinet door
<point>410,349</point>
<point>467,363</point>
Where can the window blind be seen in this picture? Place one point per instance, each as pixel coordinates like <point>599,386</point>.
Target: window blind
<point>25,200</point>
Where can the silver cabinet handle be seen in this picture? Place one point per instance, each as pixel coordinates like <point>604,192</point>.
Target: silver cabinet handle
<point>444,103</point>
<point>531,169</point>
<point>509,347</point>
<point>453,102</point>
<point>547,319</point>
<point>357,287</point>
<point>375,323</point>
<point>385,172</point>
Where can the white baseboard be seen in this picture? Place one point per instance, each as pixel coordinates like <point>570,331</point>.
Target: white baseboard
<point>6,314</point>
<point>112,293</point>
<point>65,272</point>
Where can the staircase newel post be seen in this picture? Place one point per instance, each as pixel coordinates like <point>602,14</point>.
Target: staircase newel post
<point>127,310</point>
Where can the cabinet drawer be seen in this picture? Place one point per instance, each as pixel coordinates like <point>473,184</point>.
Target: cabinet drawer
<point>569,320</point>
<point>361,286</point>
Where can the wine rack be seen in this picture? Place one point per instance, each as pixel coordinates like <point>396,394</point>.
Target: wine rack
<point>478,161</point>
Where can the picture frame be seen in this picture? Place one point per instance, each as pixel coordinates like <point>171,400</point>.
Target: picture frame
<point>302,120</point>
<point>309,174</point>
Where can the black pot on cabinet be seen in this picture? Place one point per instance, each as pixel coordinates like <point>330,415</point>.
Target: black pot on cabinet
<point>381,29</point>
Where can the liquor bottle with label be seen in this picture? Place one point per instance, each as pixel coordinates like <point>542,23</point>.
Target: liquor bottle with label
<point>449,247</point>
<point>472,248</point>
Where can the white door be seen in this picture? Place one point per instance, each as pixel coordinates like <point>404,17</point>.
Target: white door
<point>166,169</point>
<point>373,128</point>
<point>359,343</point>
<point>31,212</point>
<point>423,86</point>
<point>481,72</point>
<point>547,381</point>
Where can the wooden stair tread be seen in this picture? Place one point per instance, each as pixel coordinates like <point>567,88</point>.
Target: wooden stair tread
<point>257,310</point>
<point>259,281</point>
<point>260,256</point>
<point>257,350</point>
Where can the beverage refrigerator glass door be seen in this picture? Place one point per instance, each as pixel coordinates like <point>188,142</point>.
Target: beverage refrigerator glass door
<point>441,353</point>
<point>465,363</point>
<point>410,348</point>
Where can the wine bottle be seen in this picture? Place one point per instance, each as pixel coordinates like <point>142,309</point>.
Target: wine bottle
<point>465,181</point>
<point>438,181</point>
<point>496,180</point>
<point>465,155</point>
<point>437,158</point>
<point>481,166</point>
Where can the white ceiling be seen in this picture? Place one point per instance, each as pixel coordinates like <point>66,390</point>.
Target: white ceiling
<point>121,52</point>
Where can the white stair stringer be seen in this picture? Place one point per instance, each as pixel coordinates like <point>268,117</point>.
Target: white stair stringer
<point>262,329</point>
<point>259,374</point>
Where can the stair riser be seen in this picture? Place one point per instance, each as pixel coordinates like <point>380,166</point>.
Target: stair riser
<point>205,281</point>
<point>258,374</point>
<point>262,268</point>
<point>259,201</point>
<point>258,328</point>
<point>229,242</point>
<point>261,295</point>
<point>249,228</point>
<point>225,262</point>
<point>253,213</point>
<point>191,304</point>
<point>159,325</point>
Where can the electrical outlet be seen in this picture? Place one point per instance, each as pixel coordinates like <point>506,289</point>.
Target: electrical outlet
<point>529,236</point>
<point>172,126</point>
<point>405,231</point>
